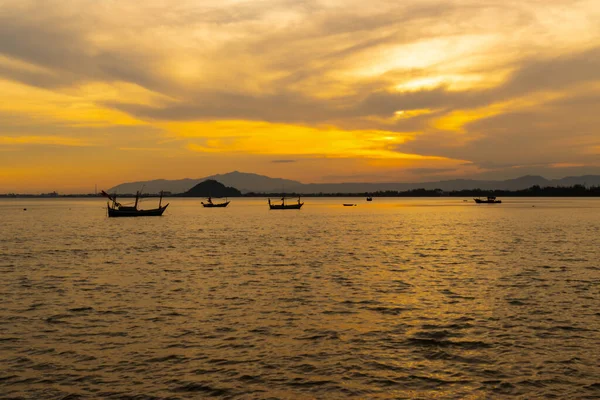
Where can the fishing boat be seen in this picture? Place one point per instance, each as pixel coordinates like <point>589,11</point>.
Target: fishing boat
<point>116,209</point>
<point>349,205</point>
<point>488,200</point>
<point>283,206</point>
<point>209,203</point>
<point>369,198</point>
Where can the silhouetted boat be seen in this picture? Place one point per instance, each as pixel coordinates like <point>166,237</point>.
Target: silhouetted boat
<point>209,203</point>
<point>116,209</point>
<point>369,198</point>
<point>283,206</point>
<point>348,205</point>
<point>489,200</point>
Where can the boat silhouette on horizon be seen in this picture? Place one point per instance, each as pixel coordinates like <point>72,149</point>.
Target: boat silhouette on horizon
<point>283,206</point>
<point>209,203</point>
<point>488,200</point>
<point>117,209</point>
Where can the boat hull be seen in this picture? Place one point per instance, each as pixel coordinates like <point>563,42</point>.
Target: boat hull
<point>479,201</point>
<point>213,205</point>
<point>156,212</point>
<point>285,206</point>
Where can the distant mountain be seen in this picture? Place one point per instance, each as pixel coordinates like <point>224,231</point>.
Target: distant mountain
<point>455,184</point>
<point>523,182</point>
<point>586,180</point>
<point>211,188</point>
<point>155,186</point>
<point>246,182</point>
<point>254,183</point>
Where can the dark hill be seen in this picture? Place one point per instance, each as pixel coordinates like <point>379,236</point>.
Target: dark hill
<point>211,188</point>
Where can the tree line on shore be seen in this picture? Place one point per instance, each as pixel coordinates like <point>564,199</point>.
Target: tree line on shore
<point>533,191</point>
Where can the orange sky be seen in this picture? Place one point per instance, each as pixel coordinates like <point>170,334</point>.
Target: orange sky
<point>105,92</point>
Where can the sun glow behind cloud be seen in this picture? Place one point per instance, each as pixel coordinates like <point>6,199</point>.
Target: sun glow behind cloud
<point>422,54</point>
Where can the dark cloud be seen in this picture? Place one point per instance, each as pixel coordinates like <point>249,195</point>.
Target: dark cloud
<point>554,73</point>
<point>283,107</point>
<point>59,44</point>
<point>429,171</point>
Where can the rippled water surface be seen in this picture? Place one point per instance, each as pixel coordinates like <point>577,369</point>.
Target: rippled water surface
<point>398,298</point>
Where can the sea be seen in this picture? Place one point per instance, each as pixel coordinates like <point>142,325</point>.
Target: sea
<point>398,298</point>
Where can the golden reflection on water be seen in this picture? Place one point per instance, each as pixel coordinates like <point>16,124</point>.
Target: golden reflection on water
<point>396,298</point>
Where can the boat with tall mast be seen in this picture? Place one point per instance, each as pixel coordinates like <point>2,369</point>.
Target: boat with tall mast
<point>284,206</point>
<point>117,209</point>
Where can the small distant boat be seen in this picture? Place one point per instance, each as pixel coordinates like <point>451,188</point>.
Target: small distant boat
<point>283,206</point>
<point>349,205</point>
<point>369,198</point>
<point>116,209</point>
<point>488,200</point>
<point>209,203</point>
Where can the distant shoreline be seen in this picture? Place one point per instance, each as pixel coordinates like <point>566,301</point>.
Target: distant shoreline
<point>534,191</point>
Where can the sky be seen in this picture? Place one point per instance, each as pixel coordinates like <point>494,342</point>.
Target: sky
<point>101,92</point>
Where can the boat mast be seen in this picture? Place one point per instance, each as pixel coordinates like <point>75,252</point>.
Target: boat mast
<point>137,196</point>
